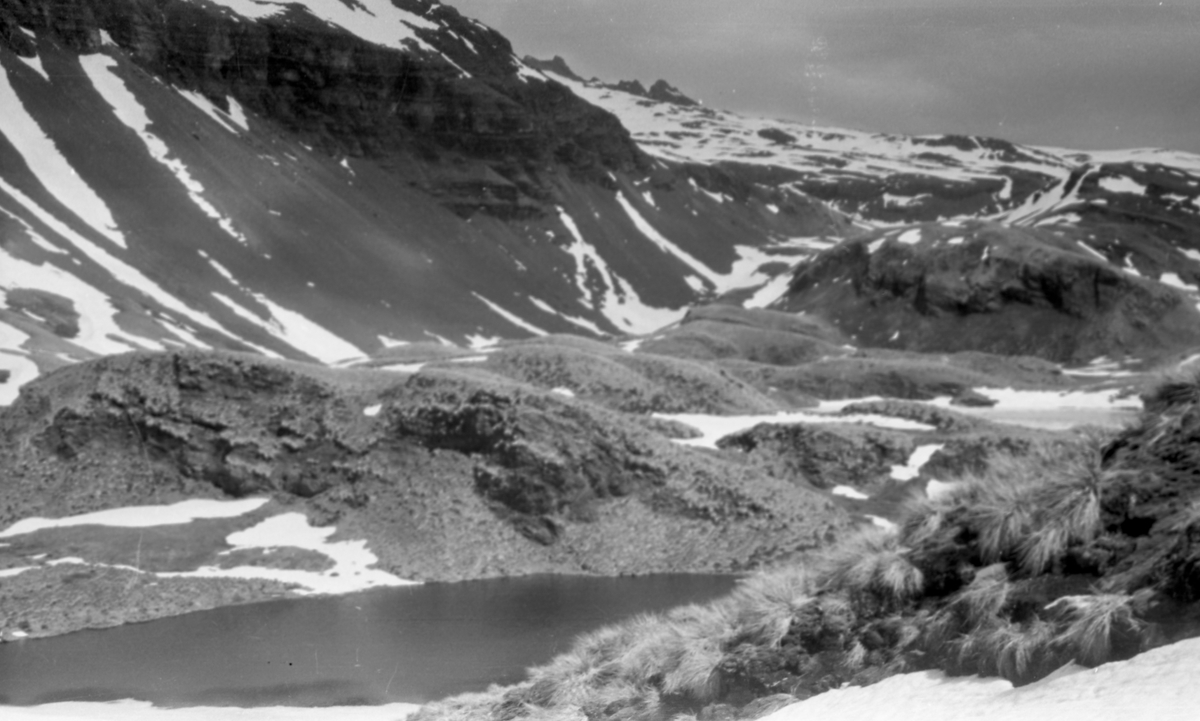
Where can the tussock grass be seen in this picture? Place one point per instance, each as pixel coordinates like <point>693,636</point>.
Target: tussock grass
<point>874,562</point>
<point>1093,620</point>
<point>977,580</point>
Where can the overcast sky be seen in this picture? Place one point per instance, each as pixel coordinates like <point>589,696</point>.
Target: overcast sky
<point>1086,74</point>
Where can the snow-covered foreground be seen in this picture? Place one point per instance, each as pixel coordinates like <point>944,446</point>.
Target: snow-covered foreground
<point>351,561</point>
<point>1159,685</point>
<point>143,711</point>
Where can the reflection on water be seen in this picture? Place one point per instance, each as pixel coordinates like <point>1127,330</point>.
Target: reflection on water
<point>409,644</point>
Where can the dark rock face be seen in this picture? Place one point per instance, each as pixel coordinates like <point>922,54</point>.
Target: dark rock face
<point>999,290</point>
<point>348,96</point>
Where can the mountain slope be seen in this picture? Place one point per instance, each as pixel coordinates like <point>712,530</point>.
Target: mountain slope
<point>304,182</point>
<point>970,243</point>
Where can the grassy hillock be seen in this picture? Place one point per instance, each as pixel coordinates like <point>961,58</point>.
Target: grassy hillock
<point>1085,554</point>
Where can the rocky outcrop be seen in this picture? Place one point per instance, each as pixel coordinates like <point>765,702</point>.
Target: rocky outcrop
<point>994,289</point>
<point>538,482</point>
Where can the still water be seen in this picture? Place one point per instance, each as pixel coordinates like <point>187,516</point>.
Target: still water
<point>410,644</point>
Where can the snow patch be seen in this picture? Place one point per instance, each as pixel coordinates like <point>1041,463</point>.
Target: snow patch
<point>910,237</point>
<point>98,329</point>
<point>883,523</point>
<point>1122,185</point>
<point>142,516</point>
<point>920,456</point>
<point>1175,281</point>
<point>848,492</point>
<point>352,560</point>
<point>36,63</point>
<point>117,268</point>
<point>20,369</point>
<point>583,323</point>
<point>1092,251</point>
<point>620,303</point>
<point>510,317</point>
<point>772,291</point>
<point>372,411</point>
<point>205,106</point>
<point>51,167</point>
<point>714,427</point>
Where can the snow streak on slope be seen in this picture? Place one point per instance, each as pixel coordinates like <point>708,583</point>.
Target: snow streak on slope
<point>667,246</point>
<point>510,317</point>
<point>303,334</point>
<point>50,167</point>
<point>98,329</point>
<point>36,63</point>
<point>203,105</point>
<point>287,325</point>
<point>621,304</point>
<point>120,270</point>
<point>99,69</point>
<point>574,320</point>
<point>744,272</point>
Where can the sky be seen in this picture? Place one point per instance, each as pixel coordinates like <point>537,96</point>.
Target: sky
<point>1083,74</point>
